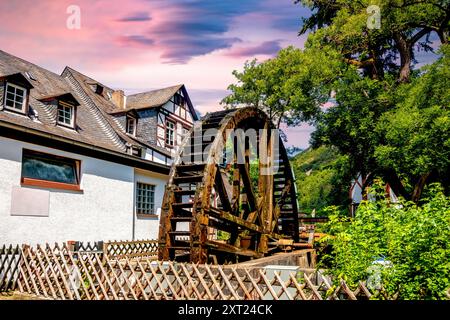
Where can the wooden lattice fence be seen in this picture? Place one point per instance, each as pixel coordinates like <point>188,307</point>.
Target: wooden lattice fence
<point>10,257</point>
<point>131,249</point>
<point>57,272</point>
<point>86,247</point>
<point>118,249</point>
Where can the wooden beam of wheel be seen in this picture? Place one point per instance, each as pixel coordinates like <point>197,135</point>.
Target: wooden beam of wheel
<point>248,186</point>
<point>237,220</point>
<point>223,193</point>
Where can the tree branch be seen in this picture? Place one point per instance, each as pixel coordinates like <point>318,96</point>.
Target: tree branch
<point>419,35</point>
<point>412,3</point>
<point>360,64</point>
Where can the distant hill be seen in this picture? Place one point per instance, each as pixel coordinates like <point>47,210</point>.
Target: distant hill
<point>321,179</point>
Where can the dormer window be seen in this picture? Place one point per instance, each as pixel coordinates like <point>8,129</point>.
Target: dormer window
<point>15,98</point>
<point>66,114</point>
<point>99,89</point>
<point>131,126</point>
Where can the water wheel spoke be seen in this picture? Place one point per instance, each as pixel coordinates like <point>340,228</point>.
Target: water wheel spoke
<point>248,187</point>
<point>222,191</point>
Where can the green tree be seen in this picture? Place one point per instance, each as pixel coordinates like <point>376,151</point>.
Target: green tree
<point>350,124</point>
<point>379,67</point>
<point>368,74</point>
<point>398,132</point>
<point>404,26</point>
<point>415,136</point>
<point>283,88</point>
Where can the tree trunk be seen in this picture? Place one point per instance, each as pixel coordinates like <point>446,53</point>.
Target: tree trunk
<point>418,188</point>
<point>443,31</point>
<point>366,180</point>
<point>405,50</point>
<point>391,177</point>
<point>279,121</point>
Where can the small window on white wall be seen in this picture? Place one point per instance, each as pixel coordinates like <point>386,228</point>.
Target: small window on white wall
<point>145,199</point>
<point>50,171</point>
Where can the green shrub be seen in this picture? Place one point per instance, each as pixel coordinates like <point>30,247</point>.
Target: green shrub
<point>414,240</point>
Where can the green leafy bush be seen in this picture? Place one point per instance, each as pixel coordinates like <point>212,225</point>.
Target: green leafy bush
<point>414,240</point>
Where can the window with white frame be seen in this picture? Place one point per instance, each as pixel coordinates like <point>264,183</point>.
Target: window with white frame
<point>15,97</point>
<point>131,126</point>
<point>66,114</point>
<point>170,133</point>
<point>145,198</point>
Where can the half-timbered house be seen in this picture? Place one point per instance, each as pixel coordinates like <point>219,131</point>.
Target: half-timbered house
<point>80,160</point>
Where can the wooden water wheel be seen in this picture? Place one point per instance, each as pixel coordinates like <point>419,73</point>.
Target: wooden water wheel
<point>222,206</point>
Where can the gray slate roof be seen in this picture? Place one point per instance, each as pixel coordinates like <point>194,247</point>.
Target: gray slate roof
<point>95,125</point>
<point>98,104</point>
<point>90,128</point>
<point>48,84</point>
<point>151,99</point>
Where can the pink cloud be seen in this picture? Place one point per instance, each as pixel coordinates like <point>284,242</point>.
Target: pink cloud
<point>146,44</point>
<point>43,34</point>
<point>135,40</point>
<point>114,35</point>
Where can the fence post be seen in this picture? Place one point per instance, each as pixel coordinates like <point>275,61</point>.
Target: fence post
<point>104,250</point>
<point>71,245</point>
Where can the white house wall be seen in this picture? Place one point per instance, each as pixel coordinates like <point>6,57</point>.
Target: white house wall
<point>148,227</point>
<point>189,117</point>
<point>103,211</point>
<point>175,109</point>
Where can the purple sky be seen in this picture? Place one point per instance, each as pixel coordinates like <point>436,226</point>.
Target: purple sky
<point>139,45</point>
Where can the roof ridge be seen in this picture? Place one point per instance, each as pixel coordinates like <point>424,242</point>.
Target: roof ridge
<point>28,62</point>
<point>86,76</point>
<point>155,90</point>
